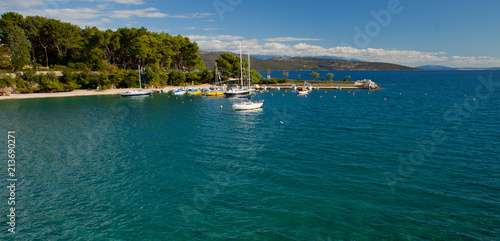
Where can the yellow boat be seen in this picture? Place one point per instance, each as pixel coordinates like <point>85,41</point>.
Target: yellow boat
<point>215,93</point>
<point>193,92</point>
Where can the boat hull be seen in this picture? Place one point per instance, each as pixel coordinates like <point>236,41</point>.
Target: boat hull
<point>212,94</point>
<point>132,94</point>
<point>193,93</point>
<point>236,93</point>
<point>247,106</point>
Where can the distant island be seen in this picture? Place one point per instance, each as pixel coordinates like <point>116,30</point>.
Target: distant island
<point>440,67</point>
<point>305,63</point>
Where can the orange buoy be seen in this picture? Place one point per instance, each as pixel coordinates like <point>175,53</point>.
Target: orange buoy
<point>385,98</point>
<point>474,99</point>
<point>335,97</point>
<point>321,96</point>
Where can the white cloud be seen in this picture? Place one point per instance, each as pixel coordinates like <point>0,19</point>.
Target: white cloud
<point>142,13</point>
<point>54,4</point>
<point>289,39</point>
<point>187,28</point>
<point>215,37</point>
<point>480,61</point>
<point>192,15</point>
<point>78,16</point>
<point>231,43</point>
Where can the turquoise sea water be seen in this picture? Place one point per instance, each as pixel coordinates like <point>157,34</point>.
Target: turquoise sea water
<point>417,160</point>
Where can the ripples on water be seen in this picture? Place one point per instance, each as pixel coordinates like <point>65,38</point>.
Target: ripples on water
<point>312,168</point>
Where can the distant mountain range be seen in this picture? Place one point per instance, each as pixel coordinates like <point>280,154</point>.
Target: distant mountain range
<point>304,63</point>
<point>440,67</point>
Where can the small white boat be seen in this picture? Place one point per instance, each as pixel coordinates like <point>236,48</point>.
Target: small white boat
<point>302,91</point>
<point>139,92</point>
<point>179,92</point>
<point>136,93</point>
<point>248,105</point>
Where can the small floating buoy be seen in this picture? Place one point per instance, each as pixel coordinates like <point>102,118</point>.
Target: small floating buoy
<point>272,94</point>
<point>283,95</point>
<point>353,93</point>
<point>474,99</point>
<point>400,94</point>
<point>465,95</point>
<point>325,92</point>
<point>425,93</point>
<point>221,106</point>
<point>282,122</point>
<point>335,97</point>
<point>321,96</point>
<point>191,100</point>
<point>385,98</point>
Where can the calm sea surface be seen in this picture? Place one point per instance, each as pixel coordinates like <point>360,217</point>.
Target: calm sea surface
<point>417,160</point>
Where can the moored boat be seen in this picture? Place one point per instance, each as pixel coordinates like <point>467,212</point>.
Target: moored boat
<point>193,92</point>
<point>248,105</point>
<point>213,93</point>
<point>132,93</point>
<point>138,92</point>
<point>179,92</point>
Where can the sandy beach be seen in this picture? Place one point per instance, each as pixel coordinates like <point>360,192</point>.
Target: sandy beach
<point>80,93</point>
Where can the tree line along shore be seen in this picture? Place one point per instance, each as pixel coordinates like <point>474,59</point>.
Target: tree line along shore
<point>90,58</point>
<point>33,49</point>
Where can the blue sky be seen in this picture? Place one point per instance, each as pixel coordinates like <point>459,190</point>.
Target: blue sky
<point>455,33</point>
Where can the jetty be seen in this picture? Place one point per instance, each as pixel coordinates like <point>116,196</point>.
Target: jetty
<point>365,84</point>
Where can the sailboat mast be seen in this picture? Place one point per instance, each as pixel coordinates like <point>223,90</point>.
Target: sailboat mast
<point>140,83</point>
<point>241,66</point>
<point>249,75</point>
<point>216,73</point>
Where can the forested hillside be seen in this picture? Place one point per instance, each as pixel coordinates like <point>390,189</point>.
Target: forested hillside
<point>306,63</point>
<point>37,42</point>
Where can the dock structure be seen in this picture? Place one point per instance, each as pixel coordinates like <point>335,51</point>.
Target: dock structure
<point>365,84</point>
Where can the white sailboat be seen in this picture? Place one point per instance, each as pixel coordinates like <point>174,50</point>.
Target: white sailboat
<point>247,105</point>
<point>239,91</point>
<point>139,92</point>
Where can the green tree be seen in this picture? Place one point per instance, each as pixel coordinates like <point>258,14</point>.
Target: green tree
<point>330,75</point>
<point>347,78</point>
<point>314,75</point>
<point>268,71</point>
<point>206,77</point>
<point>285,74</point>
<point>19,47</point>
<point>256,76</point>
<point>4,57</point>
<point>177,78</point>
<point>298,77</point>
<point>155,76</point>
